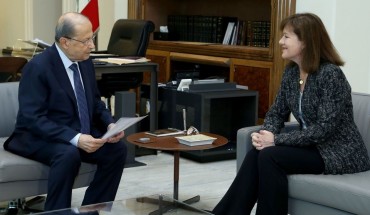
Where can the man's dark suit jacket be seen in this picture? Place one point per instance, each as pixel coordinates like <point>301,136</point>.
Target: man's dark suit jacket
<point>47,104</point>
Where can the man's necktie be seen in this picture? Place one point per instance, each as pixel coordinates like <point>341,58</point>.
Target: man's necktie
<point>81,100</point>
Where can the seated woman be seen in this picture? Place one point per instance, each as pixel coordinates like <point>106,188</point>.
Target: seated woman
<point>315,90</point>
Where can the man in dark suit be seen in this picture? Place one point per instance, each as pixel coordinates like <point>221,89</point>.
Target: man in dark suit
<point>61,117</point>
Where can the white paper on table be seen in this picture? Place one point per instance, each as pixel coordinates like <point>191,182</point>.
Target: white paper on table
<point>122,124</point>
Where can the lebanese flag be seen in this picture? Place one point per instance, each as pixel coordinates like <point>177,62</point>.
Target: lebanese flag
<point>91,10</point>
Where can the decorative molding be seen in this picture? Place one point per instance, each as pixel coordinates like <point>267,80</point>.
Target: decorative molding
<point>280,9</point>
<point>69,5</point>
<point>28,20</point>
<point>135,9</point>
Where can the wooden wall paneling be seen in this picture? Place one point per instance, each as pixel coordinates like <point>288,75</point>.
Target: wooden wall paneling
<point>162,59</point>
<point>256,75</point>
<point>280,10</point>
<point>269,76</point>
<point>135,9</point>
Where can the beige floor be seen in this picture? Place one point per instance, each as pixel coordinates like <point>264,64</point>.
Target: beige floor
<point>209,180</point>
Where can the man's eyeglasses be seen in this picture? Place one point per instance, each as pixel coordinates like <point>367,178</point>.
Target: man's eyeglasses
<point>86,42</point>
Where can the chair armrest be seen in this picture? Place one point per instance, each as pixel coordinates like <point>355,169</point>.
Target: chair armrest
<point>244,143</point>
<point>244,140</point>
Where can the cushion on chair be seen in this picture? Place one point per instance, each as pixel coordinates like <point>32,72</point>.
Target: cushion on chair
<point>8,107</point>
<point>348,192</point>
<point>17,168</point>
<point>12,165</point>
<point>361,114</point>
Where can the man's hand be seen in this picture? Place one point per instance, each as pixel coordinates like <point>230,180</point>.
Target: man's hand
<point>262,139</point>
<point>117,137</point>
<point>89,144</point>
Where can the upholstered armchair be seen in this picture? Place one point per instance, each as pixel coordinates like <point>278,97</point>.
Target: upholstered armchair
<point>325,194</point>
<point>19,176</point>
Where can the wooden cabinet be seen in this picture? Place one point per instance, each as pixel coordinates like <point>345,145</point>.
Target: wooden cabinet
<point>257,76</point>
<point>258,68</point>
<point>162,59</point>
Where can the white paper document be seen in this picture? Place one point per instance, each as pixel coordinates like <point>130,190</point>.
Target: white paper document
<point>123,60</point>
<point>122,124</point>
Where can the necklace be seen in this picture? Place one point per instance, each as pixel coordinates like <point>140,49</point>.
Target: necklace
<point>301,81</point>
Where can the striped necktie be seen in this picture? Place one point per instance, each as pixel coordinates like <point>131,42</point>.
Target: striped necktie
<point>81,100</point>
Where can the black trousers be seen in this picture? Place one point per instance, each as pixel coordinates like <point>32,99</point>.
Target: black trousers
<point>65,161</point>
<point>263,178</point>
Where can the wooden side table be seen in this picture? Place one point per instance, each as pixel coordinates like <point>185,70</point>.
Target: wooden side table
<point>208,112</point>
<point>170,143</point>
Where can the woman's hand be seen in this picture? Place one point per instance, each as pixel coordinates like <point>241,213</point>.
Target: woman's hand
<point>262,139</point>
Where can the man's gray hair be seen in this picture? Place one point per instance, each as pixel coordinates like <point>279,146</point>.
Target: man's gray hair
<point>66,24</point>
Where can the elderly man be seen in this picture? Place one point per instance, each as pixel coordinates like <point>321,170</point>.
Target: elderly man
<point>61,117</point>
